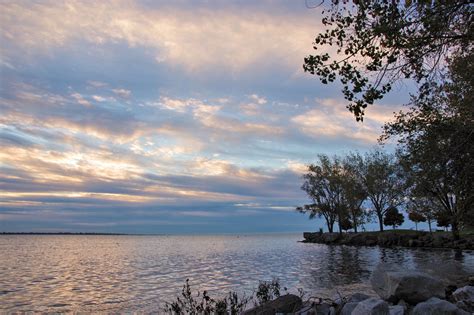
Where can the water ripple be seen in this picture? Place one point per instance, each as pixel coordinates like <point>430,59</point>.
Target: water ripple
<point>138,273</point>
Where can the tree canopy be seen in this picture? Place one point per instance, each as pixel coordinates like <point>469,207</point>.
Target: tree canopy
<point>377,43</point>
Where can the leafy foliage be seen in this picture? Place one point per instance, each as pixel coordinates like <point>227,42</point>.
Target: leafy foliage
<point>436,142</point>
<point>416,217</point>
<point>383,181</point>
<point>203,303</point>
<point>336,191</point>
<point>393,217</point>
<point>378,43</point>
<point>267,291</point>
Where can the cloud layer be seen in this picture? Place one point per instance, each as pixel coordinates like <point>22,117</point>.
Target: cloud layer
<point>158,118</point>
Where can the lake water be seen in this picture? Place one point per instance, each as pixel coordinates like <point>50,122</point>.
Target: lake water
<point>139,273</point>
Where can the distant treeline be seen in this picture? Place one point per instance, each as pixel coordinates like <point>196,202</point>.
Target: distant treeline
<point>60,233</point>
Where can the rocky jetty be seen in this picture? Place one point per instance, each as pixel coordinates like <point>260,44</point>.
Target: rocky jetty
<point>404,238</point>
<point>400,292</point>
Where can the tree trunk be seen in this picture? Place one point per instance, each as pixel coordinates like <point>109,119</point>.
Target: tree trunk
<point>416,226</point>
<point>429,225</point>
<point>339,223</point>
<point>380,221</point>
<point>455,230</point>
<point>328,224</point>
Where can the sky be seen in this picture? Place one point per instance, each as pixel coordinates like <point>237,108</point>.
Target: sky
<point>165,116</point>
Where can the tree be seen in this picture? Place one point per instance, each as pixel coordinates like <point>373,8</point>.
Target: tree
<point>443,220</point>
<point>416,217</point>
<point>436,142</point>
<point>346,224</point>
<point>383,181</point>
<point>354,191</point>
<point>378,43</point>
<point>423,206</point>
<point>393,217</point>
<point>320,210</point>
<point>336,192</point>
<point>320,185</point>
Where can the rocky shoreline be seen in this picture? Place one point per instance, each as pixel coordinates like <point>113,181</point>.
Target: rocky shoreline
<point>400,292</point>
<point>392,238</point>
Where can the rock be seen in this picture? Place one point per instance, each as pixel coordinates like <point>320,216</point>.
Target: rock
<point>358,297</point>
<point>371,306</point>
<point>396,310</point>
<point>322,309</point>
<point>464,298</point>
<point>307,309</point>
<point>348,308</point>
<point>411,286</point>
<point>403,304</point>
<point>435,306</point>
<point>284,304</point>
<point>471,280</point>
<point>330,237</point>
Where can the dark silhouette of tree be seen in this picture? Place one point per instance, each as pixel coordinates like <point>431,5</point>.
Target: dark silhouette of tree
<point>383,181</point>
<point>377,43</point>
<point>346,224</point>
<point>320,185</point>
<point>436,142</point>
<point>426,207</point>
<point>416,217</point>
<point>320,209</point>
<point>354,191</point>
<point>336,192</point>
<point>443,220</point>
<point>393,217</point>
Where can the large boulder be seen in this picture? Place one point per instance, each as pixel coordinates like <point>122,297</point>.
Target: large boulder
<point>288,303</point>
<point>435,306</point>
<point>348,308</point>
<point>372,306</point>
<point>410,286</point>
<point>396,310</point>
<point>464,298</point>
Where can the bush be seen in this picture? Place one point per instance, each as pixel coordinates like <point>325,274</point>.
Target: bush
<point>232,303</point>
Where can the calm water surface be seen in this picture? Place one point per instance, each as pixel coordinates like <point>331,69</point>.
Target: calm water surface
<point>139,273</point>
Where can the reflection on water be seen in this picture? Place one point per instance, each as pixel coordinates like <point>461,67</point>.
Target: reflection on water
<point>138,273</point>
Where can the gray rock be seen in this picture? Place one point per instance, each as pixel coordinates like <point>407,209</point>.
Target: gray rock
<point>396,310</point>
<point>307,309</point>
<point>322,309</point>
<point>358,297</point>
<point>284,304</point>
<point>411,286</point>
<point>464,298</point>
<point>435,306</point>
<point>403,304</point>
<point>372,306</point>
<point>348,308</point>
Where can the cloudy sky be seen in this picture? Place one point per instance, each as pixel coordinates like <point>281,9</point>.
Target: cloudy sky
<point>165,116</point>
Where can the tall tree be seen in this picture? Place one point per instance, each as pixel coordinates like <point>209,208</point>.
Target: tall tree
<point>377,43</point>
<point>319,185</point>
<point>383,181</point>
<point>436,141</point>
<point>354,191</point>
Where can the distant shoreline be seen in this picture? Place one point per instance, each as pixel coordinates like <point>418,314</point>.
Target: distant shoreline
<point>69,233</point>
